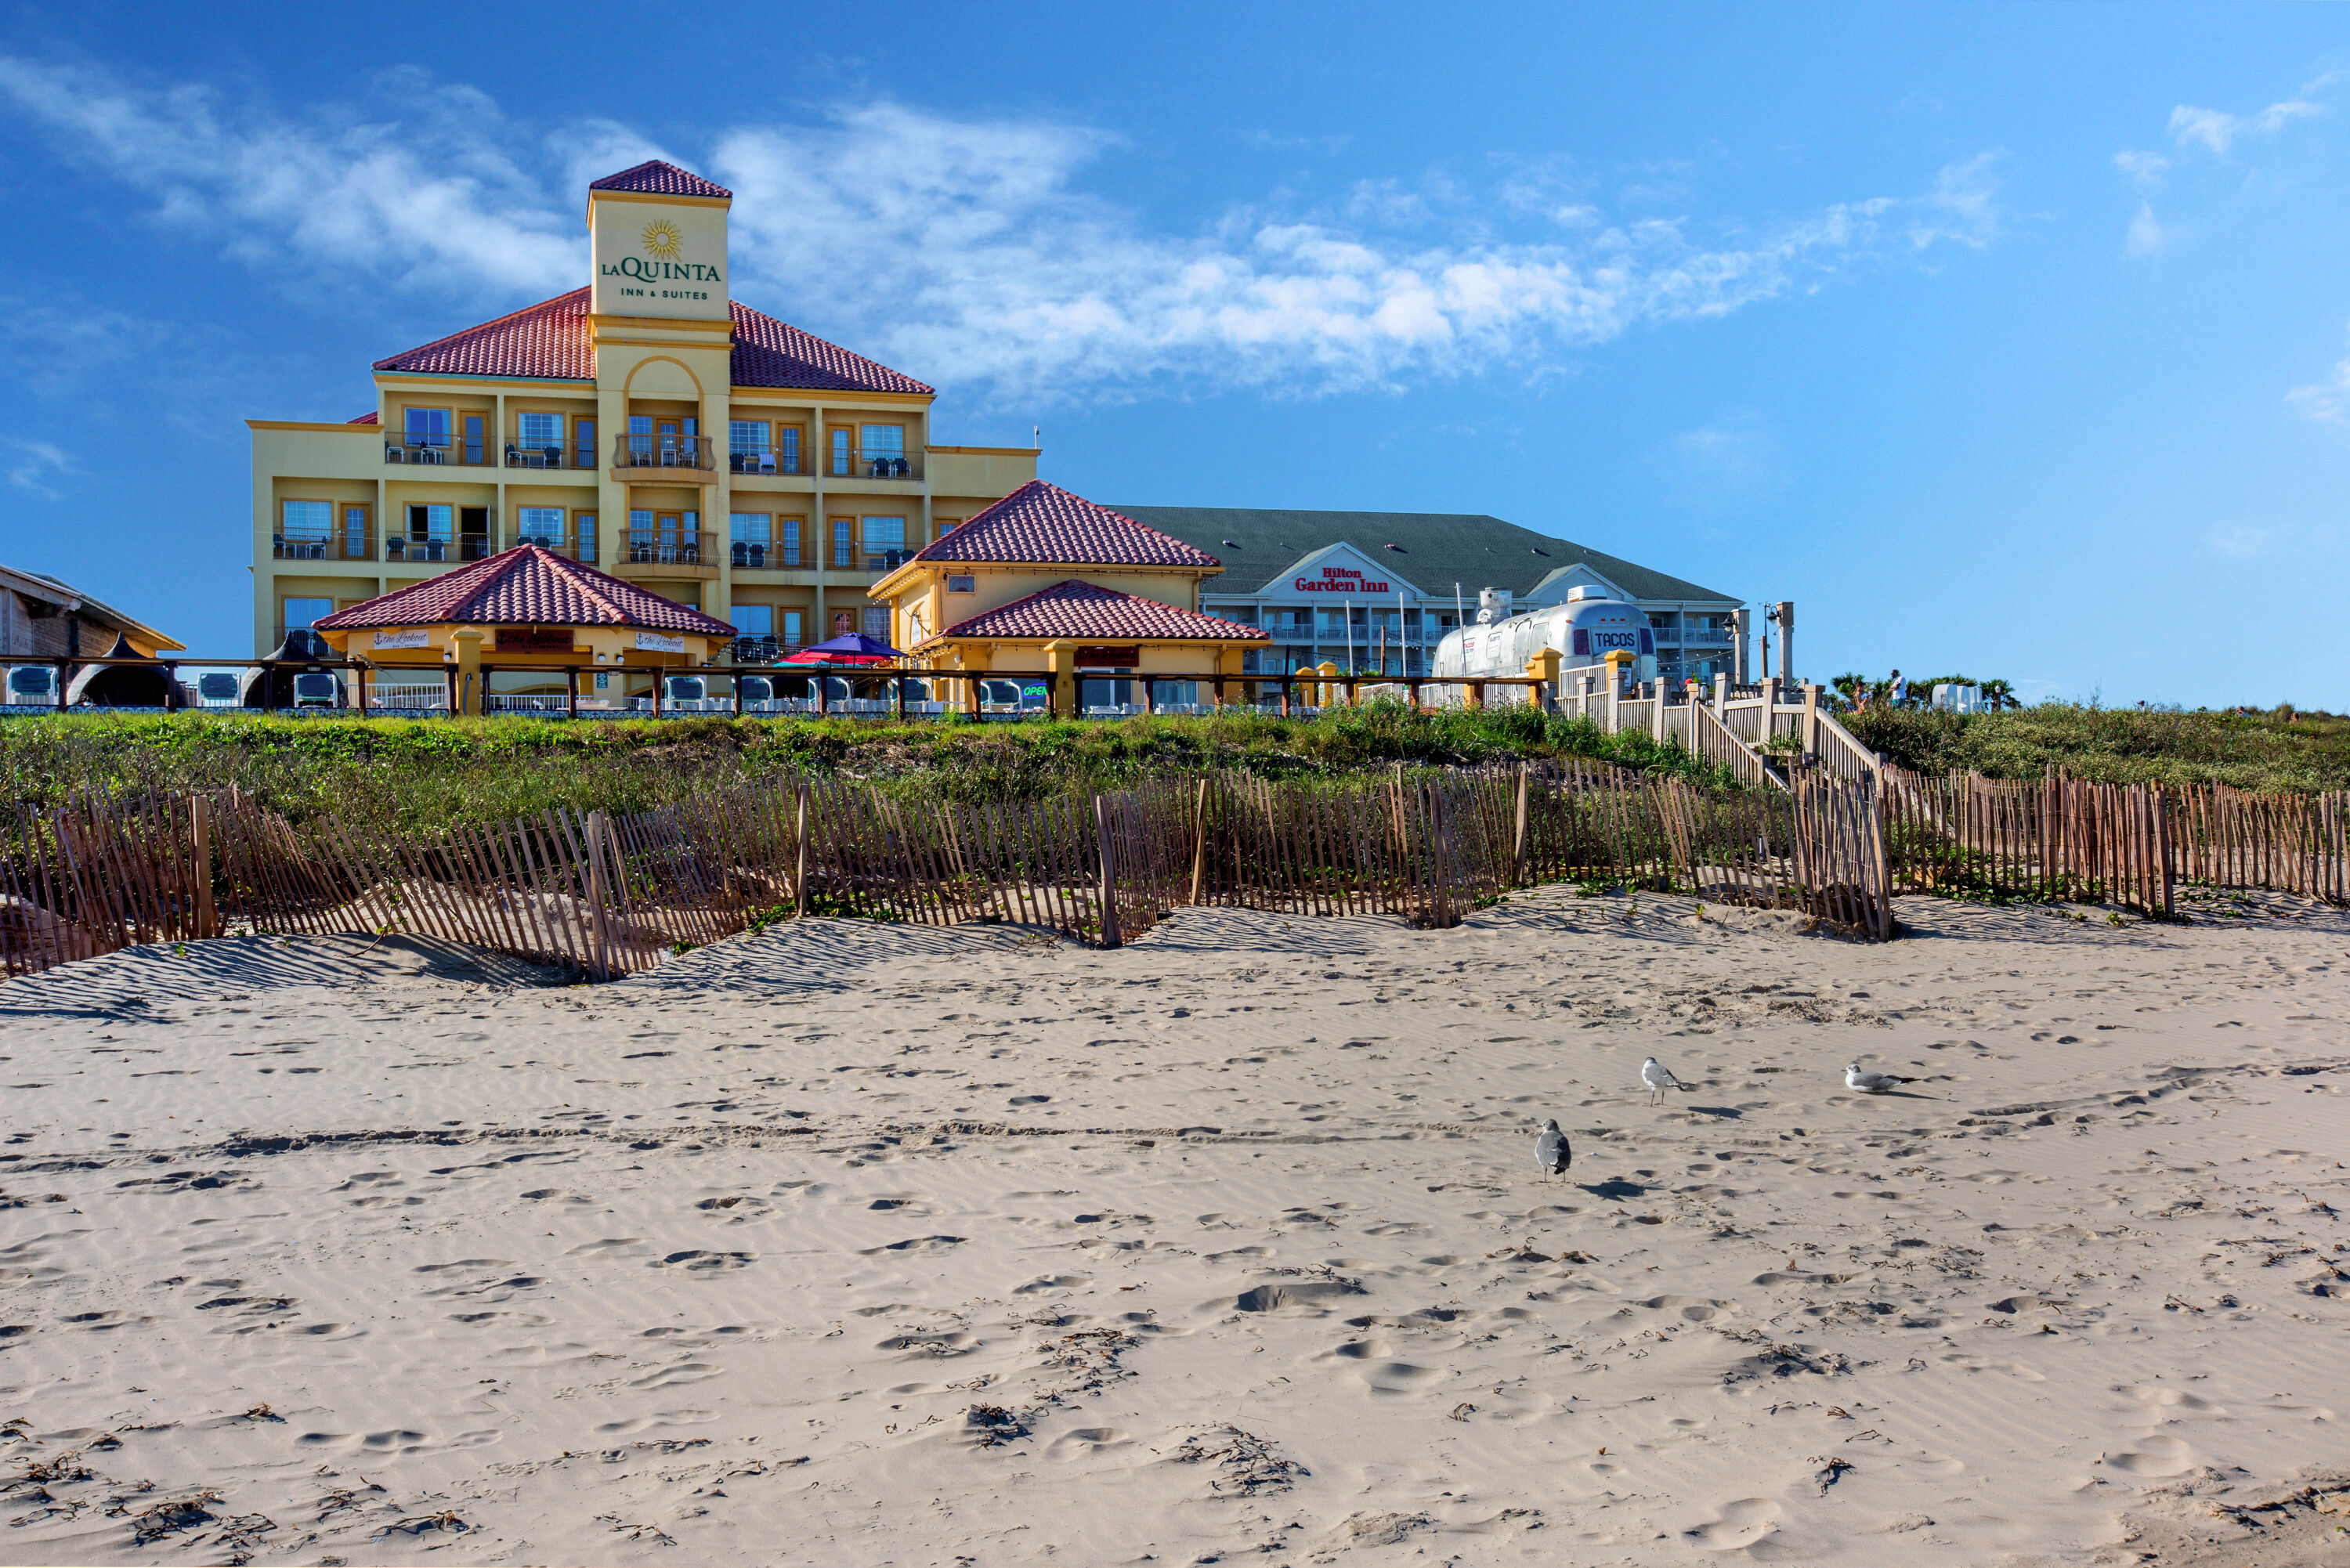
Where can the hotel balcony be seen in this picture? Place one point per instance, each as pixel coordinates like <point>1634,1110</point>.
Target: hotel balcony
<point>438,451</point>
<point>682,457</point>
<point>341,545</point>
<point>463,547</point>
<point>769,463</point>
<point>549,455</point>
<point>760,650</point>
<point>847,461</point>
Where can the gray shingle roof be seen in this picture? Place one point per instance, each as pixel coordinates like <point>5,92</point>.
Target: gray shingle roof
<point>1438,549</point>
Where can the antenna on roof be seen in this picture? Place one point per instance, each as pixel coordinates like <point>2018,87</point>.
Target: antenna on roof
<point>1036,435</point>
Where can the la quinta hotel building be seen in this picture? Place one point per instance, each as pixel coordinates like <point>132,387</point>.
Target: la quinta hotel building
<point>645,424</point>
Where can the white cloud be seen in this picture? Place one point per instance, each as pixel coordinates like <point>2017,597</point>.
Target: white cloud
<point>1732,462</point>
<point>425,196</point>
<point>2145,168</point>
<point>2327,401</point>
<point>29,464</point>
<point>2219,130</point>
<point>967,250</point>
<point>2147,235</point>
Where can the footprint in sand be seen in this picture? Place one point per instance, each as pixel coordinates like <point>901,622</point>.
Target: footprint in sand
<point>2154,1458</point>
<point>2166,1400</point>
<point>1086,1441</point>
<point>1742,1524</point>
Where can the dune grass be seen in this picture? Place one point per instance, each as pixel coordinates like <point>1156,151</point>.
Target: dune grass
<point>2120,745</point>
<point>418,773</point>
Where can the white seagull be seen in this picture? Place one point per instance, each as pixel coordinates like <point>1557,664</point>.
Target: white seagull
<point>1551,1148</point>
<point>1660,1077</point>
<point>1872,1083</point>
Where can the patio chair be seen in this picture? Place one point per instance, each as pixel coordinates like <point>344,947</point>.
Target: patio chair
<point>766,462</point>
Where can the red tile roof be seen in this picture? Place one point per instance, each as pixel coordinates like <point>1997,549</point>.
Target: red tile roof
<point>368,418</point>
<point>548,341</point>
<point>1041,522</point>
<point>655,177</point>
<point>526,585</point>
<point>1088,611</point>
<point>771,353</point>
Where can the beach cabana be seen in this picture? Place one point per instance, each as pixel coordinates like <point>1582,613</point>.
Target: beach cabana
<point>122,685</point>
<point>500,632</point>
<point>288,684</point>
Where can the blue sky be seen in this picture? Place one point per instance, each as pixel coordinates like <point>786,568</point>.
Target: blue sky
<point>2013,339</point>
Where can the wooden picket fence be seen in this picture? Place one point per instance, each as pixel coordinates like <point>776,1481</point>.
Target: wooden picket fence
<point>2122,844</point>
<point>609,895</point>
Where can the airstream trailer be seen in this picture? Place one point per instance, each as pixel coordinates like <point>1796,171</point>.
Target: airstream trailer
<point>1585,630</point>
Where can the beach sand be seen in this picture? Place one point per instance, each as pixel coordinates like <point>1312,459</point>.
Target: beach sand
<point>847,1243</point>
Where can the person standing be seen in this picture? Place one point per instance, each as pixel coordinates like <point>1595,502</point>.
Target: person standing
<point>1901,693</point>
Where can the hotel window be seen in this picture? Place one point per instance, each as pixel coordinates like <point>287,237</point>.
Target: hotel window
<point>843,623</point>
<point>752,620</point>
<point>428,428</point>
<point>844,547</point>
<point>584,525</point>
<point>963,585</point>
<point>747,532</point>
<point>877,621</point>
<point>787,541</point>
<point>791,628</point>
<point>640,534</point>
<point>540,525</point>
<point>841,456</point>
<point>885,451</point>
<point>426,534</point>
<point>301,613</point>
<point>303,530</point>
<point>788,450</point>
<point>354,532</point>
<point>882,536</point>
<point>746,436</point>
<point>583,442</point>
<point>540,439</point>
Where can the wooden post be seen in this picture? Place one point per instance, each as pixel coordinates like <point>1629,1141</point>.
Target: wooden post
<point>207,916</point>
<point>1198,840</point>
<point>571,694</point>
<point>2167,876</point>
<point>1812,718</point>
<point>602,931</point>
<point>800,859</point>
<point>738,689</point>
<point>1518,840</point>
<point>820,698</point>
<point>1108,874</point>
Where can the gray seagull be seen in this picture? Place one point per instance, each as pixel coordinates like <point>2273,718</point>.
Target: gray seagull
<point>1872,1083</point>
<point>1659,1078</point>
<point>1551,1148</point>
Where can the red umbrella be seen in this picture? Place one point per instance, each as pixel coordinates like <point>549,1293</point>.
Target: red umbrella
<point>849,648</point>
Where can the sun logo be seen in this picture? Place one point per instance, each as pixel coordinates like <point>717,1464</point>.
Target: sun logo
<point>662,241</point>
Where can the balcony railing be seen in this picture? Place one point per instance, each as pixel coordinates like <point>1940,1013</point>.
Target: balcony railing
<point>435,450</point>
<point>464,547</point>
<point>857,462</point>
<point>768,462</point>
<point>767,556</point>
<point>651,549</point>
<point>551,454</point>
<point>345,545</point>
<point>580,549</point>
<point>761,650</point>
<point>660,450</point>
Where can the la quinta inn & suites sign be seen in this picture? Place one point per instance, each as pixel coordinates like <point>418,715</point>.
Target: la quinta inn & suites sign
<point>658,256</point>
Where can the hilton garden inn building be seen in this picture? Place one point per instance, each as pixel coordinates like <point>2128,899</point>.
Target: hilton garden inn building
<point>1379,589</point>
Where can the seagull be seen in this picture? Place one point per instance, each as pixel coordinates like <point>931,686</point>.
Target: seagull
<point>1660,1077</point>
<point>1551,1148</point>
<point>1872,1083</point>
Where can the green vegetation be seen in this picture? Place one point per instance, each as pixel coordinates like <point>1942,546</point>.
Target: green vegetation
<point>420,773</point>
<point>2120,745</point>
